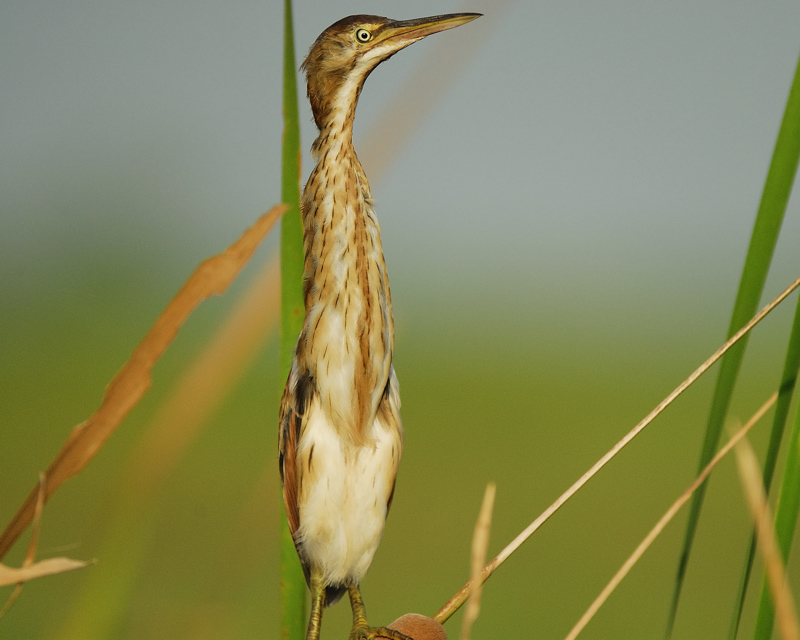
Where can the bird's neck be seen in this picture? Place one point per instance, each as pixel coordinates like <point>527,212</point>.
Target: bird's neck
<point>337,203</point>
<point>347,337</point>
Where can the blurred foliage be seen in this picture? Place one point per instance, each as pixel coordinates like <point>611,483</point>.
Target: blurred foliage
<point>766,230</point>
<point>527,395</point>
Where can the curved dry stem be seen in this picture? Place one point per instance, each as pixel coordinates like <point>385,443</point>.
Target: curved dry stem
<point>460,597</point>
<point>204,384</point>
<point>750,474</point>
<point>212,276</point>
<point>480,542</point>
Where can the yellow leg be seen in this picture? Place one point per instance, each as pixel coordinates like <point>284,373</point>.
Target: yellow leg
<point>317,602</point>
<point>361,630</point>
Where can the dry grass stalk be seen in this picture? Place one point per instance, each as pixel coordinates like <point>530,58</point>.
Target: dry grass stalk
<point>205,383</point>
<point>460,597</point>
<point>480,542</point>
<point>665,519</point>
<point>753,486</point>
<point>126,389</point>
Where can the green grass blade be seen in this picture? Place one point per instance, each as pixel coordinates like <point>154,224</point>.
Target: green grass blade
<point>789,496</point>
<point>292,311</point>
<point>767,227</point>
<point>293,587</point>
<point>785,391</point>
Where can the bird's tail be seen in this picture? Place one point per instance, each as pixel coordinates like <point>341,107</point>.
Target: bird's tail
<point>334,594</point>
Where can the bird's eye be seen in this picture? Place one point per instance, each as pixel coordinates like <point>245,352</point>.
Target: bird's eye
<point>362,35</point>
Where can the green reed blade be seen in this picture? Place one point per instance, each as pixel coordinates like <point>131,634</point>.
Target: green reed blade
<point>775,196</point>
<point>789,496</point>
<point>293,587</point>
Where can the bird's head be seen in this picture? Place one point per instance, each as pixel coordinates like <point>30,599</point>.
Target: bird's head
<point>345,53</point>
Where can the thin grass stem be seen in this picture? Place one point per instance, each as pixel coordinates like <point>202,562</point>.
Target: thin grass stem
<point>665,519</point>
<point>460,597</point>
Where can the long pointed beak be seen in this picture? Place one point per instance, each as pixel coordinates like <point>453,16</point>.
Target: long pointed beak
<point>402,33</point>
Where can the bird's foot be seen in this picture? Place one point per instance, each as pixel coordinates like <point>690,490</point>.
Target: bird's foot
<point>363,632</point>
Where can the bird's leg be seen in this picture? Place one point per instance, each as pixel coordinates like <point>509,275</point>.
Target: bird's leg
<point>361,630</point>
<point>317,602</point>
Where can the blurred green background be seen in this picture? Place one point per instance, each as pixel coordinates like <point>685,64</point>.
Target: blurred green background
<point>564,231</point>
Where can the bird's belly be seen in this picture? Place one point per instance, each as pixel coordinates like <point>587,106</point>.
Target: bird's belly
<point>344,496</point>
<point>349,356</point>
<point>336,354</point>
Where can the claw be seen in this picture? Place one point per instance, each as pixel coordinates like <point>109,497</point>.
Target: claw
<point>374,633</point>
<point>361,630</point>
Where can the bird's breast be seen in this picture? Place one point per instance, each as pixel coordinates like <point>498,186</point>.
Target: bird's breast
<point>348,328</point>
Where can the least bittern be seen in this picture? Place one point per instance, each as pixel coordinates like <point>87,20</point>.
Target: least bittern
<point>340,432</point>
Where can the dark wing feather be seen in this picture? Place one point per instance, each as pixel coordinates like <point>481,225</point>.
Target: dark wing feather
<point>287,444</point>
<point>291,424</point>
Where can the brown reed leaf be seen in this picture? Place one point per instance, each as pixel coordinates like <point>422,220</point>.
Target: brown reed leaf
<point>212,276</point>
<point>197,393</point>
<point>204,384</point>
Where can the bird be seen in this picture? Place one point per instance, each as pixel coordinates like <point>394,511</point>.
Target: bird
<point>340,433</point>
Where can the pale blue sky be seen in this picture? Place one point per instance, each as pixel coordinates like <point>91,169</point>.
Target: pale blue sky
<point>608,137</point>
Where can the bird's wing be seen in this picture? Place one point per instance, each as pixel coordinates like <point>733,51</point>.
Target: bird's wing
<point>288,436</point>
<point>296,398</point>
<point>389,414</point>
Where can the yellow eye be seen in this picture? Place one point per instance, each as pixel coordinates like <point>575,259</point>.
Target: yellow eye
<point>362,35</point>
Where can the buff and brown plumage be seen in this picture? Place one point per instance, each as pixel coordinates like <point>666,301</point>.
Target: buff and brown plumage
<point>340,432</point>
